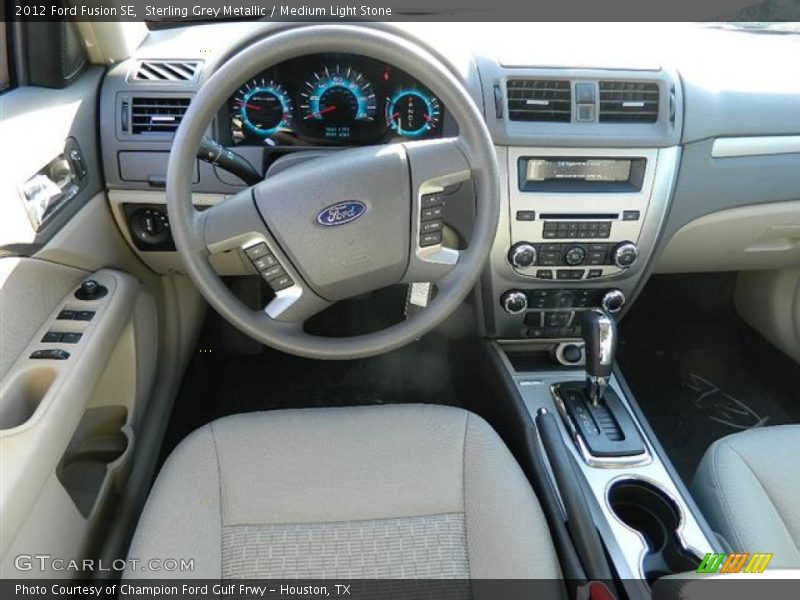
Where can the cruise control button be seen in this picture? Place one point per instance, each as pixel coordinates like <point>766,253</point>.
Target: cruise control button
<point>431,226</point>
<point>272,272</point>
<point>265,262</point>
<point>257,251</point>
<point>434,212</point>
<point>52,337</point>
<point>430,239</point>
<point>429,200</point>
<point>281,283</point>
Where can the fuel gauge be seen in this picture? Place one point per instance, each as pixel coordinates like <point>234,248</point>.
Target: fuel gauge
<point>412,113</point>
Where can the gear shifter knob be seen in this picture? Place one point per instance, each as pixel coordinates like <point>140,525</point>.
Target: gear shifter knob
<point>600,337</point>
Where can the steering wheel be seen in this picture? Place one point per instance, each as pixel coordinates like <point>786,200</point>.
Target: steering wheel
<point>342,225</point>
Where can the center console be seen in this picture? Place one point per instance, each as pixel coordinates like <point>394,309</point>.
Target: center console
<point>577,230</point>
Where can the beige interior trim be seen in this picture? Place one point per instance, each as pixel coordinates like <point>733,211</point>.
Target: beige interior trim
<point>108,42</point>
<point>763,236</point>
<point>755,146</point>
<point>770,302</point>
<point>43,401</point>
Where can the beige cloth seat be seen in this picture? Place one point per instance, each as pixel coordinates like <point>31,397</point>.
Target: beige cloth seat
<point>409,491</point>
<point>748,486</point>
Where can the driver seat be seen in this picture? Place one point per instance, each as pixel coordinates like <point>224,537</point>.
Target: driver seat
<point>402,491</point>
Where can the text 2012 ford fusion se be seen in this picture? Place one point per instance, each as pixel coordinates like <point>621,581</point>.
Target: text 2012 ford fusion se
<point>409,309</point>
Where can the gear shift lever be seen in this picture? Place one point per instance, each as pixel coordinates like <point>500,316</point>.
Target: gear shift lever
<point>600,337</point>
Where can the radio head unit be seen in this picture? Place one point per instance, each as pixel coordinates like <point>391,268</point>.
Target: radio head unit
<point>580,174</point>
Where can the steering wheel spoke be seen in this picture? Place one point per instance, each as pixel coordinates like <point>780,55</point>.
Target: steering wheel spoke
<point>233,223</point>
<point>435,165</point>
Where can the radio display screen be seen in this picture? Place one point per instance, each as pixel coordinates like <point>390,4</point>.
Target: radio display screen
<point>580,174</point>
<point>542,169</point>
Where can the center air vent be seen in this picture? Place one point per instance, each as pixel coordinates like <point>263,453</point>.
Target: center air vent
<point>155,116</point>
<point>628,102</point>
<point>539,100</point>
<point>167,70</point>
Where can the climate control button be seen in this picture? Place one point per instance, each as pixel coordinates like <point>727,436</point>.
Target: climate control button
<point>514,302</point>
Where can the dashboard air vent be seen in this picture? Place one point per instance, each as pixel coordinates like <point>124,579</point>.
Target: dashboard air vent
<point>539,100</point>
<point>167,70</point>
<point>154,116</point>
<point>628,102</point>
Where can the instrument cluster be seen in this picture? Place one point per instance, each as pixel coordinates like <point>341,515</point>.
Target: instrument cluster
<point>332,99</point>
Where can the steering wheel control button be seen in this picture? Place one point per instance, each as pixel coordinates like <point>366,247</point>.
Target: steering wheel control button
<point>281,283</point>
<point>431,226</point>
<point>429,200</point>
<point>84,315</point>
<point>433,212</point>
<point>50,354</point>
<point>430,239</point>
<point>265,262</point>
<point>66,315</point>
<point>52,337</point>
<point>272,272</point>
<point>91,290</point>
<point>257,251</point>
<point>526,215</point>
<point>71,337</point>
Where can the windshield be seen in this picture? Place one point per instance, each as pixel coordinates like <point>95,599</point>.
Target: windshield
<point>759,26</point>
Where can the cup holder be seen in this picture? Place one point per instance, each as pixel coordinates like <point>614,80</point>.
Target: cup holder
<point>645,508</point>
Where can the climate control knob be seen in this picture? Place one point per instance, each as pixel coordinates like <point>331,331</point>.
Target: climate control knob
<point>613,301</point>
<point>514,302</point>
<point>522,255</point>
<point>575,256</point>
<point>625,254</point>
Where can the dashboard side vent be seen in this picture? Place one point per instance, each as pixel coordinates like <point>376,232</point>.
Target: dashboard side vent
<point>156,116</point>
<point>539,100</point>
<point>628,102</point>
<point>167,70</point>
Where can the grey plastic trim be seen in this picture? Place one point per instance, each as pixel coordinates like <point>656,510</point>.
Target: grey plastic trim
<point>755,146</point>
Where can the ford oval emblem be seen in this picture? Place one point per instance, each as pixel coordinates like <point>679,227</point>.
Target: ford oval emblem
<point>342,213</point>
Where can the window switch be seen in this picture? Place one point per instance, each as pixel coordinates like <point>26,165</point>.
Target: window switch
<point>84,315</point>
<point>66,315</point>
<point>52,337</point>
<point>71,337</point>
<point>50,354</point>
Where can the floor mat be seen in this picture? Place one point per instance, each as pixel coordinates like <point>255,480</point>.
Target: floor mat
<point>220,383</point>
<point>698,372</point>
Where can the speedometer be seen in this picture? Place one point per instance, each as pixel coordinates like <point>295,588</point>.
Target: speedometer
<point>263,108</point>
<point>334,100</point>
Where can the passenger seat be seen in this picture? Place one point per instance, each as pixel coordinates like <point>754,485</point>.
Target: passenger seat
<point>748,486</point>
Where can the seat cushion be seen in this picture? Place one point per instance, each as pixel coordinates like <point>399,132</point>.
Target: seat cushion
<point>748,485</point>
<point>409,491</point>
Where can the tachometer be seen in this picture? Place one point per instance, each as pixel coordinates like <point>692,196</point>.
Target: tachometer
<point>337,98</point>
<point>412,113</point>
<point>264,108</point>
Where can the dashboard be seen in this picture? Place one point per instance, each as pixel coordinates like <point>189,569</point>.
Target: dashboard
<point>331,100</point>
